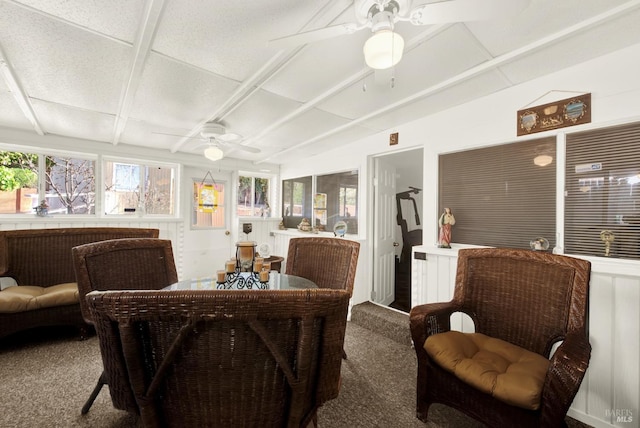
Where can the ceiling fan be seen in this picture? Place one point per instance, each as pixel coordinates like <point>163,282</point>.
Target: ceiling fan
<point>384,48</point>
<point>219,141</point>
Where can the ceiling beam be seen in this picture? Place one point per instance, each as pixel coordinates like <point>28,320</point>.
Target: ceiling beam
<point>142,46</point>
<point>18,92</point>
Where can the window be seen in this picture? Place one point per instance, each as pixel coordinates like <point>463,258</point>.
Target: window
<point>334,199</point>
<point>341,191</point>
<point>126,177</point>
<point>253,196</point>
<point>139,188</point>
<point>501,196</point>
<point>296,200</point>
<point>602,185</point>
<point>208,205</point>
<point>69,183</point>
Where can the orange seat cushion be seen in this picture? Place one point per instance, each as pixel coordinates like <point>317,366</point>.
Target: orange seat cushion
<point>508,372</point>
<point>22,298</point>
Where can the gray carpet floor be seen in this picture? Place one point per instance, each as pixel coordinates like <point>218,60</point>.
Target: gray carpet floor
<point>46,376</point>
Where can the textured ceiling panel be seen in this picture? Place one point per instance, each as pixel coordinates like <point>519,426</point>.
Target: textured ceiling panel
<point>10,114</point>
<point>115,18</point>
<point>581,47</point>
<point>541,19</point>
<point>229,37</point>
<point>464,91</point>
<point>307,126</point>
<point>324,64</point>
<point>259,112</point>
<point>61,63</point>
<point>61,120</point>
<point>175,95</point>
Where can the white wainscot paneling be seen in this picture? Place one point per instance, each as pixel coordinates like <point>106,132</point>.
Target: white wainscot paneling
<point>610,392</point>
<point>261,231</point>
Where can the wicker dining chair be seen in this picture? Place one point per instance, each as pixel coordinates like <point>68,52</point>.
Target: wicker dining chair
<point>227,358</point>
<point>531,301</point>
<point>328,262</point>
<point>120,264</point>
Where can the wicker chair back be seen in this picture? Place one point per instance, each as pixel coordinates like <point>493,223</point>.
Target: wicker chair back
<point>226,358</point>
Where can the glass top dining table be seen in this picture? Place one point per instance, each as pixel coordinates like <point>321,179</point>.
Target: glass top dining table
<point>277,281</point>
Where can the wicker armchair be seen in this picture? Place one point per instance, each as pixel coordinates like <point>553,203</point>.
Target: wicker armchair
<point>120,264</point>
<point>227,358</point>
<point>529,299</point>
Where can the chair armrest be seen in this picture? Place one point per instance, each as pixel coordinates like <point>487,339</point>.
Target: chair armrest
<point>566,371</point>
<point>428,319</point>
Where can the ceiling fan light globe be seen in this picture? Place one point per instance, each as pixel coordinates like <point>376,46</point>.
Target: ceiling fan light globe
<point>213,153</point>
<point>383,49</point>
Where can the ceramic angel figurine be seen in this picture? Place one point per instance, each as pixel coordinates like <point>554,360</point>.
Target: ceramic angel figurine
<point>445,222</point>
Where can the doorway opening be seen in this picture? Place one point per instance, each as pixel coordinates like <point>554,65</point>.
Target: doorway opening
<point>397,225</point>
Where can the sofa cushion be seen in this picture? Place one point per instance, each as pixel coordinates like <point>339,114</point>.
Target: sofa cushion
<point>6,282</point>
<point>508,372</point>
<point>29,297</point>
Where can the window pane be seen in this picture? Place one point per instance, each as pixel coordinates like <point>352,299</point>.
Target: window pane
<point>602,203</point>
<point>124,195</point>
<point>208,205</point>
<point>499,195</point>
<point>18,182</point>
<point>70,185</point>
<point>253,196</point>
<point>341,191</point>
<point>158,190</point>
<point>244,202</point>
<point>122,191</point>
<point>261,200</point>
<point>296,200</point>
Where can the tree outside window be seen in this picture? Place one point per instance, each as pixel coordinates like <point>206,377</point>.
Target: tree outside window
<point>253,196</point>
<point>69,184</point>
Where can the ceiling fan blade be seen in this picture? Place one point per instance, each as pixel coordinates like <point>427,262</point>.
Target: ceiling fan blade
<point>180,136</point>
<point>231,145</point>
<point>465,10</point>
<point>315,35</point>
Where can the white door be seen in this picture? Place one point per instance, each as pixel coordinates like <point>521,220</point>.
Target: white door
<point>207,248</point>
<point>384,232</point>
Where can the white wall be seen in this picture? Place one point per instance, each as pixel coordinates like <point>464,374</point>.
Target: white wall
<point>615,93</point>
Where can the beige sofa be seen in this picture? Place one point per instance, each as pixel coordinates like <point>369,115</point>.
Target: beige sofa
<point>38,279</point>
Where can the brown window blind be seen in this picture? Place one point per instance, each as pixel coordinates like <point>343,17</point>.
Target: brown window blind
<point>602,185</point>
<point>499,196</point>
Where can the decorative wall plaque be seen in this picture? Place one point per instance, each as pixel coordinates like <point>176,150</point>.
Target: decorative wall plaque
<point>559,114</point>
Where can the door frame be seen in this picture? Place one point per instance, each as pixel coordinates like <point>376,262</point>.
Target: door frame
<point>371,205</point>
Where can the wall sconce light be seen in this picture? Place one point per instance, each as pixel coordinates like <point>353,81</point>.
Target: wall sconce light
<point>383,49</point>
<point>542,160</point>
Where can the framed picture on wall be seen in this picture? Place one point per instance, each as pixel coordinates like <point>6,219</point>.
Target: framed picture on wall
<point>320,201</point>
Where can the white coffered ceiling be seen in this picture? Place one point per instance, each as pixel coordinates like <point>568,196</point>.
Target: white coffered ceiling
<point>146,73</point>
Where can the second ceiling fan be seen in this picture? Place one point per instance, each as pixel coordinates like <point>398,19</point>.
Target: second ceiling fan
<point>220,140</point>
